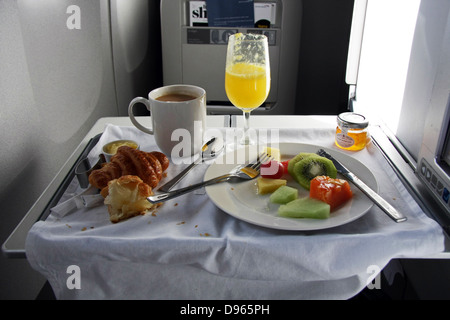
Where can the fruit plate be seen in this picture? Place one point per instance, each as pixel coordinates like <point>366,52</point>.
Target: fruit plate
<point>242,201</point>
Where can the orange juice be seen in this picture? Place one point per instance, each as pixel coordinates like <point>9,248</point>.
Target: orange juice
<point>247,85</point>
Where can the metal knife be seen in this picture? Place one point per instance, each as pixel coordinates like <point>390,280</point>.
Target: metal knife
<point>375,197</point>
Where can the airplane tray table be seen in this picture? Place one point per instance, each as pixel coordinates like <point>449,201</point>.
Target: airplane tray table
<point>191,249</point>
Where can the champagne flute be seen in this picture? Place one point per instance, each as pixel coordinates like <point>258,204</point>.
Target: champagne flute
<point>247,74</point>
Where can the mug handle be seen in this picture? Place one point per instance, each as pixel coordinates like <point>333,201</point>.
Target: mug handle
<point>131,114</point>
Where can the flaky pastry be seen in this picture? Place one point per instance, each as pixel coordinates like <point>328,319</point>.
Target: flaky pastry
<point>126,197</point>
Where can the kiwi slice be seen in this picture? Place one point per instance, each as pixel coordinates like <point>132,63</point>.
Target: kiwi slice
<point>296,159</point>
<point>310,167</point>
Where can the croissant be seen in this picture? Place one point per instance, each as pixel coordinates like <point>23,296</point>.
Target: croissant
<point>149,166</point>
<point>126,197</point>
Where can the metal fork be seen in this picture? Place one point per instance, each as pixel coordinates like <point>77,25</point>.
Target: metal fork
<point>243,172</point>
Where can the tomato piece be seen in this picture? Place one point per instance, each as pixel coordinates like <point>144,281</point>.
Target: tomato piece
<point>335,192</point>
<point>272,170</point>
<point>285,165</point>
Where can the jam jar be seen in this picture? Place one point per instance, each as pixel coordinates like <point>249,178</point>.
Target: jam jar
<point>351,131</point>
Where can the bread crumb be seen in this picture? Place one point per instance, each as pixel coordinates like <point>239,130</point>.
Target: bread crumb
<point>206,234</point>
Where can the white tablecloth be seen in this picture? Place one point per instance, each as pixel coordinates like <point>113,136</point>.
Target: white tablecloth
<point>190,249</point>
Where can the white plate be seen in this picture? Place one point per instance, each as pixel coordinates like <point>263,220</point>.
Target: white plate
<point>241,200</point>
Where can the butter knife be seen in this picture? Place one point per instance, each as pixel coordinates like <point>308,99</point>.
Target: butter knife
<point>375,197</point>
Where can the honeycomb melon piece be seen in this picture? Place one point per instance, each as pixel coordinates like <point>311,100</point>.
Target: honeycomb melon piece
<point>266,185</point>
<point>305,208</point>
<point>283,195</point>
<point>273,152</point>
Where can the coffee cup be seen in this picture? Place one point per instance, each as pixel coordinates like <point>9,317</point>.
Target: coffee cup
<point>178,118</point>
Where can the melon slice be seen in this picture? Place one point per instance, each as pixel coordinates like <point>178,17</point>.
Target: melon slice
<point>305,208</point>
<point>283,195</point>
<point>266,185</point>
<point>273,152</point>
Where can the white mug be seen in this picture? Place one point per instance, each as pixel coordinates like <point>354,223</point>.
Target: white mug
<point>178,126</point>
